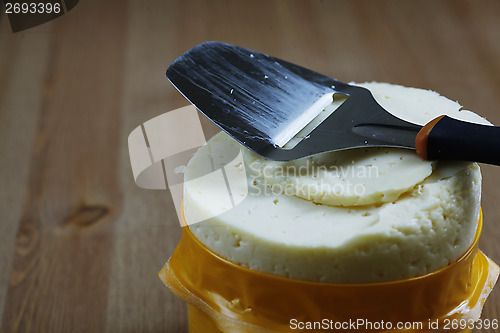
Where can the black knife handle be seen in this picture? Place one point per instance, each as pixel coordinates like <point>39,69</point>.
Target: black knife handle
<point>451,139</point>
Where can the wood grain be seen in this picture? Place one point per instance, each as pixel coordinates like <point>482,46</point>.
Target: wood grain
<point>80,243</point>
<point>61,263</point>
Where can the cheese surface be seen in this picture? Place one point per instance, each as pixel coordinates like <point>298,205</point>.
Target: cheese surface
<point>354,216</point>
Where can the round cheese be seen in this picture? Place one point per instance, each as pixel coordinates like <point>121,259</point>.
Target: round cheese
<point>354,216</point>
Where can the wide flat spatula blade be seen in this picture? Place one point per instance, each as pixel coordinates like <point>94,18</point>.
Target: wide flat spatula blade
<point>236,87</point>
<point>263,102</point>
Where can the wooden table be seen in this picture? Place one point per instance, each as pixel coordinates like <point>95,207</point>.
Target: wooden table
<point>80,243</point>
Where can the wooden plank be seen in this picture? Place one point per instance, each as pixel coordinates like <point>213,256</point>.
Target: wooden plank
<point>147,231</point>
<point>59,275</point>
<point>22,72</point>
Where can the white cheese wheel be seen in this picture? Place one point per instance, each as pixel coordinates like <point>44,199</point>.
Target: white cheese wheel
<point>361,215</point>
